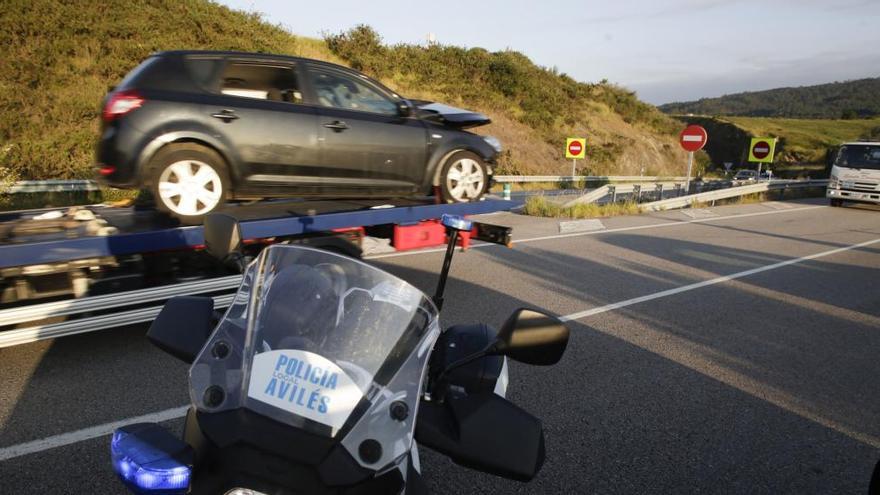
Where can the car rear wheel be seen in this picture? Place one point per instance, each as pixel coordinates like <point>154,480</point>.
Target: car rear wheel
<point>464,178</point>
<point>189,181</point>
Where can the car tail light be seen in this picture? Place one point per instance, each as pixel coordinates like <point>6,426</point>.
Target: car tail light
<point>106,170</point>
<point>121,103</point>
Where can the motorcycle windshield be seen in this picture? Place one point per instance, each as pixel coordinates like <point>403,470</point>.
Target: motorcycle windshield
<point>316,340</point>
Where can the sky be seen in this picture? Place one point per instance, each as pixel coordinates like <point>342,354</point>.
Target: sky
<point>673,50</point>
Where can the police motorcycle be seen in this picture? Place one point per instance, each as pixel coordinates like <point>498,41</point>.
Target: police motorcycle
<point>326,374</point>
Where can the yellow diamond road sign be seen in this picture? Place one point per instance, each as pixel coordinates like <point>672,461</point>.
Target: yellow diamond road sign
<point>575,148</point>
<point>761,150</point>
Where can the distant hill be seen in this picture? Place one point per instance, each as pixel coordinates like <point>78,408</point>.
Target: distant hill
<point>61,56</point>
<point>837,100</point>
<point>803,148</point>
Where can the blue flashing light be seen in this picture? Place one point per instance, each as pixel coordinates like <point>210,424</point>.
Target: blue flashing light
<point>150,460</point>
<point>456,222</point>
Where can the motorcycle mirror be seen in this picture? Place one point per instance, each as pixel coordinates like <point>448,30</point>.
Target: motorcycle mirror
<point>183,326</point>
<point>532,337</point>
<point>222,236</point>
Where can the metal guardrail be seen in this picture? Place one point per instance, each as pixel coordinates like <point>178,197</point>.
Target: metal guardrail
<point>36,312</point>
<point>613,190</point>
<point>43,311</point>
<point>732,192</point>
<point>581,178</point>
<point>10,338</point>
<point>76,185</point>
<point>44,186</point>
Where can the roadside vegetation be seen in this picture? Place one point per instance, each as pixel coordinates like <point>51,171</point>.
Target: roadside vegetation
<point>805,145</point>
<point>808,140</point>
<point>539,206</point>
<point>533,108</point>
<point>60,58</point>
<point>28,201</point>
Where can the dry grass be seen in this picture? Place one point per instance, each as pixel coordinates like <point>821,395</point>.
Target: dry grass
<point>538,206</point>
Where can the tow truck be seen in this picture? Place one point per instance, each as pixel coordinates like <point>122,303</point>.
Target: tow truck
<point>69,271</point>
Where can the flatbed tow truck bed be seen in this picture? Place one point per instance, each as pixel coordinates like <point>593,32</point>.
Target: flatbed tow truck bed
<point>71,281</point>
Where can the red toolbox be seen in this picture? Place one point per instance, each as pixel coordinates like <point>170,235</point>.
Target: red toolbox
<point>428,233</point>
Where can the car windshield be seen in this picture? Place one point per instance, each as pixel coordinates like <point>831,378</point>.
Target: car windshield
<point>318,333</point>
<point>859,156</point>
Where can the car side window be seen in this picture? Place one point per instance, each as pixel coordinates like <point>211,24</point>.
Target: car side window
<point>336,90</point>
<point>261,81</point>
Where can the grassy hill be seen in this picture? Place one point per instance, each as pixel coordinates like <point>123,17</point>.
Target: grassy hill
<point>804,144</point>
<point>848,100</point>
<point>61,56</point>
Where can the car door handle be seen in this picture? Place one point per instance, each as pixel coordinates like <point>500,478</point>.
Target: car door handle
<point>225,115</point>
<point>336,125</point>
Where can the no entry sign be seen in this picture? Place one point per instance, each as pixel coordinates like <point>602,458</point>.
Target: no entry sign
<point>693,138</point>
<point>575,148</point>
<point>761,150</point>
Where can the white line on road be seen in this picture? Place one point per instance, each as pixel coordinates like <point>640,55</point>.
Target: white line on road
<point>598,232</point>
<point>106,429</point>
<point>87,433</point>
<point>714,281</point>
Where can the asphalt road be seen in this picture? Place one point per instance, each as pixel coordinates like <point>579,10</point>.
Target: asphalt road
<point>733,354</point>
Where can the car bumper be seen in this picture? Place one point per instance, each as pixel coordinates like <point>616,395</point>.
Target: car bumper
<point>116,157</point>
<point>850,195</point>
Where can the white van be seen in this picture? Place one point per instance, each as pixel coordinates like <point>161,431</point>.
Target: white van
<point>855,175</point>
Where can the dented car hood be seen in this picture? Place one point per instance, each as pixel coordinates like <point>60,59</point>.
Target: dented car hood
<point>449,116</point>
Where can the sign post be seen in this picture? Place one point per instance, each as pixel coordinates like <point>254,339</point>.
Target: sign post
<point>692,139</point>
<point>576,149</point>
<point>761,151</point>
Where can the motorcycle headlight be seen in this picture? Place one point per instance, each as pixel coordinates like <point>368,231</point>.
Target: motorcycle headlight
<point>493,142</point>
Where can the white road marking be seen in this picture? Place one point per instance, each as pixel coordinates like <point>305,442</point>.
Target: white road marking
<point>87,433</point>
<point>698,213</point>
<point>106,429</point>
<point>714,281</point>
<point>589,225</point>
<point>607,231</point>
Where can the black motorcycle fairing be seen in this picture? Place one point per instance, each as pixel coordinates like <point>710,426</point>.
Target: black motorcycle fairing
<point>241,435</point>
<point>183,326</point>
<point>484,432</point>
<point>460,341</point>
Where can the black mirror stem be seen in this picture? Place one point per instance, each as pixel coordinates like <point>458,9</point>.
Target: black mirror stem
<point>444,273</point>
<point>459,363</point>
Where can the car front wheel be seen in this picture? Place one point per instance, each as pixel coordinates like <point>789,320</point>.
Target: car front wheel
<point>189,181</point>
<point>464,178</point>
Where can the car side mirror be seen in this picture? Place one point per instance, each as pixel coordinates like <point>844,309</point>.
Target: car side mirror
<point>223,237</point>
<point>183,326</point>
<point>532,337</point>
<point>404,108</point>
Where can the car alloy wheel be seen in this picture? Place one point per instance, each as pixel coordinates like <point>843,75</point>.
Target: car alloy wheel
<point>190,188</point>
<point>465,180</point>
